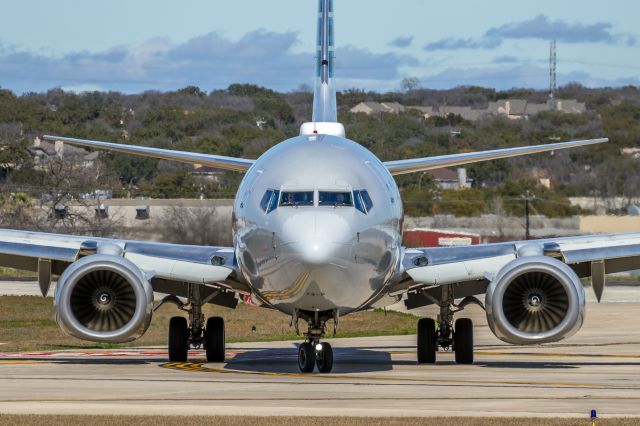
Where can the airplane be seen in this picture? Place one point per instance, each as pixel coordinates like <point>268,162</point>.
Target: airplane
<point>317,235</point>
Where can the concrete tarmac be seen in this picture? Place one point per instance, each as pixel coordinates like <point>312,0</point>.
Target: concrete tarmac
<point>598,368</point>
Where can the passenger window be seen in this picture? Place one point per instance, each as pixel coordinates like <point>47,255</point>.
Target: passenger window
<point>296,199</point>
<point>362,201</point>
<point>335,199</point>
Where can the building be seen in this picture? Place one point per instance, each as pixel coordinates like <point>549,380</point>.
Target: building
<point>451,179</point>
<point>369,108</point>
<point>423,237</point>
<point>42,152</point>
<point>514,109</point>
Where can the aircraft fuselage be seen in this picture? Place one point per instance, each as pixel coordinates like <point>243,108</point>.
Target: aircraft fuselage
<point>317,226</point>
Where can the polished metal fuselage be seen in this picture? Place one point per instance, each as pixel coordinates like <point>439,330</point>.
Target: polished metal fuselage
<point>318,258</point>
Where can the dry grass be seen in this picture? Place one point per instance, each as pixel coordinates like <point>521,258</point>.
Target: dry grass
<point>8,273</point>
<point>30,420</point>
<point>26,324</point>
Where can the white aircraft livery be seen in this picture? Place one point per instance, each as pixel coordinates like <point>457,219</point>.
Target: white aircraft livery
<point>317,235</point>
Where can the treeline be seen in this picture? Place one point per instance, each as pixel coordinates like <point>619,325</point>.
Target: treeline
<point>246,120</point>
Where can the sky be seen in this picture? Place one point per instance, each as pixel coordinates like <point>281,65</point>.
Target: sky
<point>137,45</point>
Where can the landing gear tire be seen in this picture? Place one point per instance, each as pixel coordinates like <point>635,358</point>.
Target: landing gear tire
<point>463,341</point>
<point>427,341</point>
<point>306,357</point>
<point>214,339</point>
<point>324,358</point>
<point>178,339</point>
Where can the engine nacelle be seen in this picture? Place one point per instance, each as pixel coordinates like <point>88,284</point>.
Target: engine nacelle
<point>535,299</point>
<point>104,298</point>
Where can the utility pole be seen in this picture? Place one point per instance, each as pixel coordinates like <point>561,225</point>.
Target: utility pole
<point>553,57</point>
<point>528,198</point>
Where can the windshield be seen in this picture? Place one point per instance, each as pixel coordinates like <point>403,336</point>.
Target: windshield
<point>302,198</point>
<point>335,199</point>
<point>363,201</point>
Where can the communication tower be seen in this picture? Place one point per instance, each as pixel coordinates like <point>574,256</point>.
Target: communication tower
<point>552,75</point>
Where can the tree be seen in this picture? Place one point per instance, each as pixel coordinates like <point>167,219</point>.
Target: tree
<point>409,84</point>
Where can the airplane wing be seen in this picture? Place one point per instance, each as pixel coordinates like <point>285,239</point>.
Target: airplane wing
<point>219,161</point>
<point>471,268</point>
<point>167,266</point>
<point>400,167</point>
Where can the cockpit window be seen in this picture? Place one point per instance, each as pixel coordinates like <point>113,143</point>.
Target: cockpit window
<point>269,201</point>
<point>296,199</point>
<point>362,201</point>
<point>334,199</point>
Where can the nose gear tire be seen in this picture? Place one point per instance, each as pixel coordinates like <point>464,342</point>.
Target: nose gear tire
<point>306,357</point>
<point>324,358</point>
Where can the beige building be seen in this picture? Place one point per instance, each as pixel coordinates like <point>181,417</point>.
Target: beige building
<point>514,109</point>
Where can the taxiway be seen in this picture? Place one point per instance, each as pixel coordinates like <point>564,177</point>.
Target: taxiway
<point>596,369</point>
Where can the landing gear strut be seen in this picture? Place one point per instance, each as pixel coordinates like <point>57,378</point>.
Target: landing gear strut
<point>442,333</point>
<point>184,333</point>
<point>312,353</point>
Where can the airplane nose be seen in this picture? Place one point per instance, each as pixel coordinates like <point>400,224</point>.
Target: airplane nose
<point>317,237</point>
<point>315,251</point>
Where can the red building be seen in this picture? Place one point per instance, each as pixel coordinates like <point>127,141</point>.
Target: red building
<point>422,237</point>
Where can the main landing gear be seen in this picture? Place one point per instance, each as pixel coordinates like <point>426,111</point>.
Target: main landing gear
<point>184,334</point>
<point>442,333</point>
<point>312,353</point>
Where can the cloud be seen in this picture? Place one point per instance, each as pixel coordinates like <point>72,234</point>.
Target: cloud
<point>541,28</point>
<point>403,41</point>
<point>452,43</point>
<point>503,77</point>
<point>210,61</point>
<point>506,59</point>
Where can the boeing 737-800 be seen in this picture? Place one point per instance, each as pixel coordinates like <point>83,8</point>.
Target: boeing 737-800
<point>317,235</point>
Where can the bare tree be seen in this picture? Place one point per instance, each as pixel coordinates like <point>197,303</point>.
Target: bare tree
<point>206,226</point>
<point>62,199</point>
<point>410,83</point>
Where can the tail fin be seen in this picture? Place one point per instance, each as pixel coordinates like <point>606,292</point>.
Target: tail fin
<point>324,99</point>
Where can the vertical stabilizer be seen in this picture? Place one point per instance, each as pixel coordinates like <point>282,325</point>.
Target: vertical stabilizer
<point>324,99</point>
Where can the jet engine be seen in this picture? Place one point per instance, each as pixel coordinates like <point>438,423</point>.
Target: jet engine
<point>104,298</point>
<point>535,299</point>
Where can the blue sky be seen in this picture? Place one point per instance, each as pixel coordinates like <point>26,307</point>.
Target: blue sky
<point>138,45</point>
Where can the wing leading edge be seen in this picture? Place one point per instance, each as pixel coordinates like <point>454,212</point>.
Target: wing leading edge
<point>219,161</point>
<point>167,263</point>
<point>470,268</point>
<point>400,167</point>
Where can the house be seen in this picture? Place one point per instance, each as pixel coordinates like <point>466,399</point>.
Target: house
<point>41,152</point>
<point>369,108</point>
<point>513,109</point>
<point>393,107</point>
<point>378,108</point>
<point>425,111</point>
<point>467,113</point>
<point>571,106</point>
<point>451,179</point>
<point>207,172</point>
<point>631,152</point>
